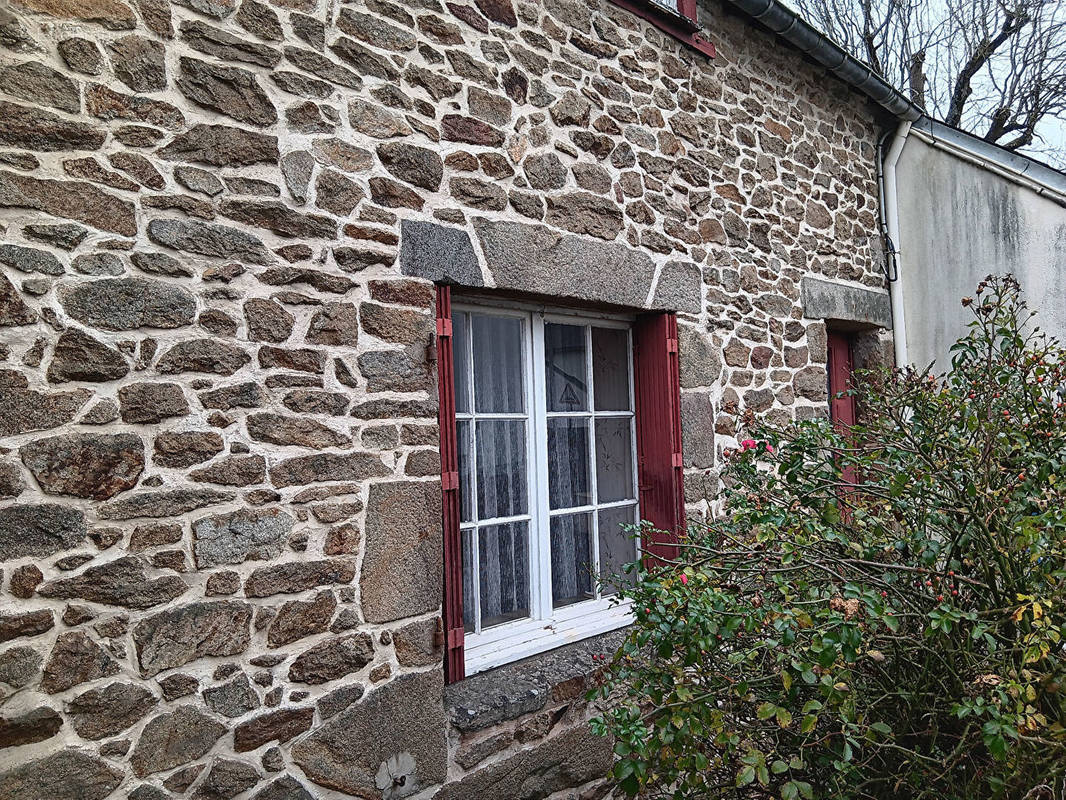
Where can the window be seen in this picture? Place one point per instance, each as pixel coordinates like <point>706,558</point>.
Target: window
<point>541,416</point>
<point>678,18</point>
<point>545,432</point>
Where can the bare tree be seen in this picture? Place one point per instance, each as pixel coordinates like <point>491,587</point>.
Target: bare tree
<point>996,68</point>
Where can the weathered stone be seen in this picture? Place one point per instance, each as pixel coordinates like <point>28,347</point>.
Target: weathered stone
<point>19,666</point>
<point>66,236</point>
<point>202,355</point>
<point>810,383</point>
<point>585,213</point>
<point>433,81</point>
<point>402,563</point>
<point>198,180</point>
<point>337,194</point>
<point>185,448</point>
<point>179,635</point>
<point>544,171</point>
<point>397,370</point>
<point>701,364</point>
<point>96,466</point>
<point>697,429</point>
<point>298,576</point>
<point>375,121</point>
<point>416,644</point>
<point>342,155</point>
<point>303,470</point>
<point>478,193</point>
<point>91,169</point>
<point>570,759</point>
<point>227,90</point>
<point>13,310</point>
<point>33,81</point>
<point>285,430</point>
<point>146,791</point>
<point>176,686</point>
<point>180,780</point>
<point>438,254</point>
<point>335,324</point>
<point>107,104</point>
<point>161,264</point>
<point>226,46</point>
<point>232,471</point>
<point>154,535</point>
<point>222,145</point>
<point>81,55</point>
<point>833,301</point>
<point>278,217</point>
<point>122,582</point>
<point>69,774</point>
<point>323,67</point>
<point>37,129</point>
<point>680,287</point>
<point>80,357</point>
<point>418,166</point>
<point>333,659</point>
<point>297,619</point>
<point>389,193</point>
<point>296,169</point>
<point>12,484</point>
<point>206,239</point>
<point>279,726</point>
<point>528,255</point>
<point>99,713</point>
<point>75,659</point>
<point>226,780</point>
<point>571,109</point>
<point>396,325</point>
<point>232,699</point>
<point>33,726</point>
<point>331,757</point>
<point>99,264</point>
<point>122,304</point>
<point>284,788</point>
<point>29,259</point>
<point>372,29</point>
<point>307,401</point>
<point>39,530</point>
<point>241,395</point>
<point>68,199</point>
<point>149,403</point>
<point>260,19</point>
<point>298,359</point>
<point>235,537</point>
<point>457,128</point>
<point>162,504</point>
<point>223,583</point>
<point>172,739</point>
<point>139,63</point>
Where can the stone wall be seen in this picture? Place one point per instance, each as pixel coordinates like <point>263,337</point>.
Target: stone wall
<point>221,219</point>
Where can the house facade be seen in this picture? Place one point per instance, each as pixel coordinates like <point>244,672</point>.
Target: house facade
<point>340,339</point>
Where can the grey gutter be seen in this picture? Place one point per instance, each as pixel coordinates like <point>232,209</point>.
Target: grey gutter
<point>791,27</point>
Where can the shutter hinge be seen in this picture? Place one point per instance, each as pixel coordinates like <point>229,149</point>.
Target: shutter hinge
<point>438,634</point>
<point>671,345</point>
<point>456,638</point>
<point>678,461</point>
<point>444,327</point>
<point>449,481</point>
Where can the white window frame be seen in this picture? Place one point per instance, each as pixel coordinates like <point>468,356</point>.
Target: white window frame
<point>546,627</point>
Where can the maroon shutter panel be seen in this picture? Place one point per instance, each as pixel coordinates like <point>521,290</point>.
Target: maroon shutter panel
<point>658,395</point>
<point>687,9</point>
<point>841,409</point>
<point>454,669</point>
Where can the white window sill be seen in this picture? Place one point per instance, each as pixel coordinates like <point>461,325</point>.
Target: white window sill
<point>514,641</point>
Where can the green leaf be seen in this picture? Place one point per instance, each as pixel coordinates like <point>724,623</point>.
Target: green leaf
<point>790,791</point>
<point>745,776</point>
<point>778,767</point>
<point>808,723</point>
<point>765,711</point>
<point>784,717</point>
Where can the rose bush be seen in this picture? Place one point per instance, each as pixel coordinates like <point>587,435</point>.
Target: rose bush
<point>896,637</point>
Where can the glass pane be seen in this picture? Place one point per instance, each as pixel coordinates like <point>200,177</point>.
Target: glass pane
<point>498,361</point>
<point>565,369</point>
<point>461,361</point>
<point>568,462</point>
<point>502,477</point>
<point>504,555</point>
<point>571,559</point>
<point>464,434</point>
<point>614,459</point>
<point>618,547</point>
<point>610,369</point>
<point>469,610</point>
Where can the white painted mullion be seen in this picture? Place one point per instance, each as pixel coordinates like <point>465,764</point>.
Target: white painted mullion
<point>634,463</point>
<point>475,533</point>
<point>594,528</point>
<point>539,526</point>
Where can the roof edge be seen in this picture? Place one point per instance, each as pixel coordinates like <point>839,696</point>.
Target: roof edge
<point>790,26</point>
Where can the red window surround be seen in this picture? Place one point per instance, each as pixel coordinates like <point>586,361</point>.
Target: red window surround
<point>660,467</point>
<point>681,24</point>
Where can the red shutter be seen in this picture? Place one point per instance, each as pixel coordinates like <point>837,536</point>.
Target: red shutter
<point>841,409</point>
<point>658,396</point>
<point>454,669</point>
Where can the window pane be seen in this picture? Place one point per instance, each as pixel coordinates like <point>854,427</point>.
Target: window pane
<point>502,475</point>
<point>461,361</point>
<point>464,433</point>
<point>568,462</point>
<point>617,546</point>
<point>614,459</point>
<point>571,559</point>
<point>469,609</point>
<point>565,367</point>
<point>610,369</point>
<point>498,364</point>
<point>504,555</point>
